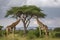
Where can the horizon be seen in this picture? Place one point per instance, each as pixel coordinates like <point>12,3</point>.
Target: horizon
<point>31,27</point>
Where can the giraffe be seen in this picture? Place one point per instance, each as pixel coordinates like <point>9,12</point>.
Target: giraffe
<point>12,27</point>
<point>42,27</point>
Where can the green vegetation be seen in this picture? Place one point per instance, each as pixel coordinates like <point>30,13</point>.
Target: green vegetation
<point>57,29</point>
<point>31,35</point>
<point>1,31</point>
<point>1,27</point>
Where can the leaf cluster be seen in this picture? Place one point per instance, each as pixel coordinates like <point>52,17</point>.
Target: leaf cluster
<point>26,11</point>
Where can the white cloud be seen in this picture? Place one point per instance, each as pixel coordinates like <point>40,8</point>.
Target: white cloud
<point>44,3</point>
<point>6,22</point>
<point>49,22</point>
<point>52,22</point>
<point>7,4</point>
<point>16,2</point>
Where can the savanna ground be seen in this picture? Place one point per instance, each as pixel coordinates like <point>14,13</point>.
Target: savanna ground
<point>32,35</point>
<point>17,37</point>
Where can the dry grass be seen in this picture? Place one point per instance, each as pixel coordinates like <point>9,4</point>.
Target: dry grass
<point>18,37</point>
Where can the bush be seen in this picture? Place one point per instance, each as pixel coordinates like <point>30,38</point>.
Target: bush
<point>1,30</point>
<point>1,27</point>
<point>20,32</point>
<point>0,33</point>
<point>57,35</point>
<point>31,34</point>
<point>57,29</point>
<point>37,32</point>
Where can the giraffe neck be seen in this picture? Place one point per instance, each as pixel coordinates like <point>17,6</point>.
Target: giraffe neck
<point>13,24</point>
<point>42,26</point>
<point>39,22</point>
<point>17,21</point>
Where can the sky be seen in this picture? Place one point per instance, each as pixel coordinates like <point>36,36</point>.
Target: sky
<point>50,7</point>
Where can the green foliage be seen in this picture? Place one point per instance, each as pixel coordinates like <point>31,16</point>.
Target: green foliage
<point>31,34</point>
<point>57,35</point>
<point>37,32</point>
<point>1,27</point>
<point>57,29</point>
<point>0,33</point>
<point>26,10</point>
<point>54,34</point>
<point>1,30</point>
<point>20,32</point>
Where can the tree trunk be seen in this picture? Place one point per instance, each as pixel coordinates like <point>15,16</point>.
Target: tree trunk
<point>25,29</point>
<point>39,32</point>
<point>25,23</point>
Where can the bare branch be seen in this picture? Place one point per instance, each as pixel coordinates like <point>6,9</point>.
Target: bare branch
<point>28,19</point>
<point>28,24</point>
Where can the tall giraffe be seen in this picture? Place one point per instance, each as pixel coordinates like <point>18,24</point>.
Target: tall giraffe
<point>42,27</point>
<point>12,27</point>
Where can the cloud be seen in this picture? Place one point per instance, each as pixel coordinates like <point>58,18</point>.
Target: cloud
<point>8,21</point>
<point>44,3</point>
<point>49,22</point>
<point>5,22</point>
<point>52,22</point>
<point>16,3</point>
<point>7,4</point>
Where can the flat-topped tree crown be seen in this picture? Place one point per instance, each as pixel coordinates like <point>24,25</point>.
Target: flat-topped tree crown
<point>26,10</point>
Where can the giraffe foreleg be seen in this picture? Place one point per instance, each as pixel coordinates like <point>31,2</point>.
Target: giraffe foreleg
<point>14,29</point>
<point>6,31</point>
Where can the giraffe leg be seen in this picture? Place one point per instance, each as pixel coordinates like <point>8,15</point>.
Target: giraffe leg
<point>46,34</point>
<point>14,29</point>
<point>6,31</point>
<point>9,30</point>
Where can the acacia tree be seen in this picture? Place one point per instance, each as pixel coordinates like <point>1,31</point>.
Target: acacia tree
<point>25,13</point>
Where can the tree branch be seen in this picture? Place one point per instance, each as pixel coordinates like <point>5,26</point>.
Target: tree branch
<point>28,19</point>
<point>28,24</point>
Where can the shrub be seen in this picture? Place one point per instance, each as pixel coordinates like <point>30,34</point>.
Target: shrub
<point>57,29</point>
<point>1,30</point>
<point>57,35</point>
<point>1,27</point>
<point>31,34</point>
<point>20,32</point>
<point>37,32</point>
<point>0,33</point>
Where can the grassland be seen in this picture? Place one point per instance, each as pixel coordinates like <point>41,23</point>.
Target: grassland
<point>18,37</point>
